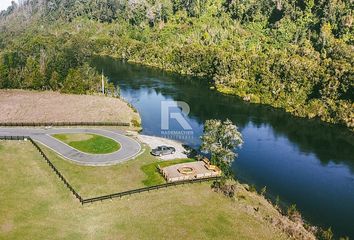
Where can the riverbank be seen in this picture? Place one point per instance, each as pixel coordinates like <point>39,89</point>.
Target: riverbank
<point>197,212</point>
<point>310,110</point>
<point>49,106</point>
<point>291,156</point>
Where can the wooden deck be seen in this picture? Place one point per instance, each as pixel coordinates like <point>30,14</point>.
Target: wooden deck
<point>198,169</point>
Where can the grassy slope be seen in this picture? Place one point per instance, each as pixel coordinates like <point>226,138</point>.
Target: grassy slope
<point>89,143</point>
<point>37,205</point>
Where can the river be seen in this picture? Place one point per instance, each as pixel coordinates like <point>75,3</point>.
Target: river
<point>301,161</point>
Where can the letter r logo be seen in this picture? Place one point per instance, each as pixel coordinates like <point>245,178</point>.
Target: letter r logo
<point>166,115</point>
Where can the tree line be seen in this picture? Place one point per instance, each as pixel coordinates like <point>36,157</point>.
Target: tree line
<point>295,54</point>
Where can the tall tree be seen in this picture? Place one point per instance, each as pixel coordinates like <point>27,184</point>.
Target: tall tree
<point>220,140</point>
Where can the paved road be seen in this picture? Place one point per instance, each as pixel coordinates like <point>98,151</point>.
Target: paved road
<point>129,147</point>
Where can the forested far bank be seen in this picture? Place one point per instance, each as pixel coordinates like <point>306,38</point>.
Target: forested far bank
<point>40,61</point>
<point>296,54</point>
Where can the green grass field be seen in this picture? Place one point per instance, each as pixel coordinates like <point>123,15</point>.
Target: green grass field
<point>89,143</point>
<point>91,181</point>
<point>35,204</point>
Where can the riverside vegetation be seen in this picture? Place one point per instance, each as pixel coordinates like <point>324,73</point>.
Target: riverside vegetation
<point>294,54</point>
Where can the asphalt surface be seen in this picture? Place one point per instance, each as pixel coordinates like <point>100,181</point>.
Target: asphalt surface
<point>129,147</point>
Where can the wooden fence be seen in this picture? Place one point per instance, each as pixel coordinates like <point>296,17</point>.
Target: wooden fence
<point>109,196</point>
<point>62,124</point>
<point>147,189</point>
<point>56,171</point>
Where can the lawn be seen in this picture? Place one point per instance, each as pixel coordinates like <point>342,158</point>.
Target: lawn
<point>89,143</point>
<point>91,181</point>
<point>35,204</point>
<point>153,177</point>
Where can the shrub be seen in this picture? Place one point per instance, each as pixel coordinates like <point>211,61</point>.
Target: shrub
<point>294,214</point>
<point>325,234</point>
<point>227,189</point>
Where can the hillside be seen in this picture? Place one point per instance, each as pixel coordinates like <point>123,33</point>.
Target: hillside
<point>295,54</point>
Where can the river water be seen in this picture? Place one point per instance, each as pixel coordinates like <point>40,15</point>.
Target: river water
<point>301,161</point>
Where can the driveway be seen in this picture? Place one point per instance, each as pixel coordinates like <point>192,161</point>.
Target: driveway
<point>129,147</point>
<point>154,142</point>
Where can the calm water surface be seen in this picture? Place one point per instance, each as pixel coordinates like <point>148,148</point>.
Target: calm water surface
<point>301,161</point>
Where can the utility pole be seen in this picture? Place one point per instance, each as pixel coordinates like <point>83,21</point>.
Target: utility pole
<point>102,82</point>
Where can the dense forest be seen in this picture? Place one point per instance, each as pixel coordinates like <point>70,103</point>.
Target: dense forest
<point>293,54</point>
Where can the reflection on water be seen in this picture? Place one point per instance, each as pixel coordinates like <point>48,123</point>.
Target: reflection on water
<point>301,161</point>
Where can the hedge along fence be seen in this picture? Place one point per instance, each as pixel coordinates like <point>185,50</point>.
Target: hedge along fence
<point>62,124</point>
<point>109,196</point>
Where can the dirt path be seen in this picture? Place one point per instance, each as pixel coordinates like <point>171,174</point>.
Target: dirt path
<point>34,106</point>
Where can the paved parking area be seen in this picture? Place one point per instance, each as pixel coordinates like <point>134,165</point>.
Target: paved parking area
<point>154,142</point>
